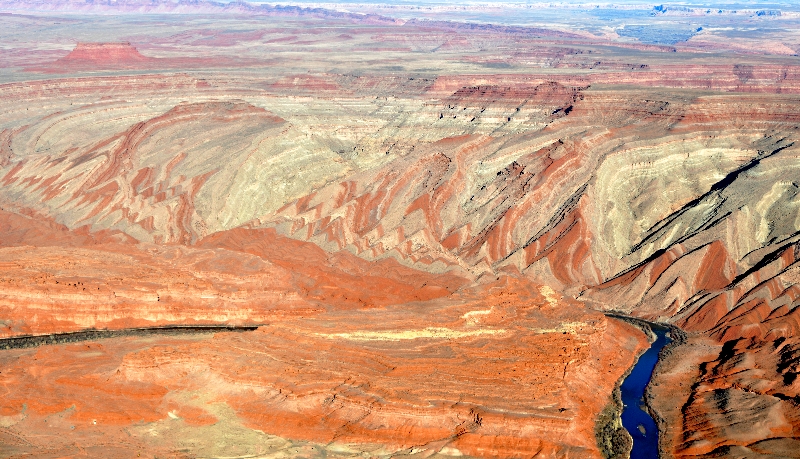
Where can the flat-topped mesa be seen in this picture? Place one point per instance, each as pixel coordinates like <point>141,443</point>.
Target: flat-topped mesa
<point>104,55</point>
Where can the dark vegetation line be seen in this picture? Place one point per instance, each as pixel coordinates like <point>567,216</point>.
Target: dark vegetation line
<point>660,227</point>
<point>766,260</point>
<point>26,341</point>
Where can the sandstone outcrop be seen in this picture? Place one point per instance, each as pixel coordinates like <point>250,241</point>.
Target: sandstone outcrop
<point>103,56</point>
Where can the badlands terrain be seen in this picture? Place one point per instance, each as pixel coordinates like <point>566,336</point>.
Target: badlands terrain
<point>411,219</point>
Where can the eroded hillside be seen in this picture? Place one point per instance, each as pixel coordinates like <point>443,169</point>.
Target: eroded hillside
<point>426,220</point>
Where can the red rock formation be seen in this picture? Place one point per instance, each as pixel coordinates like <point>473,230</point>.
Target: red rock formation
<point>103,55</point>
<point>57,280</point>
<point>420,250</point>
<point>435,207</point>
<point>89,57</point>
<point>477,374</point>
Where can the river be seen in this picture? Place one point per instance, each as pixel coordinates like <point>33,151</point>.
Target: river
<point>635,418</point>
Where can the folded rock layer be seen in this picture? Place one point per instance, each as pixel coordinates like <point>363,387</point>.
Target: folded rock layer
<point>424,220</point>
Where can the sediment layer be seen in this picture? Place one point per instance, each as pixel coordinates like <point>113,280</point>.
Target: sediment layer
<point>424,218</point>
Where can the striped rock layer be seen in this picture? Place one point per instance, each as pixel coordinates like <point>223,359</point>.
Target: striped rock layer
<point>427,258</point>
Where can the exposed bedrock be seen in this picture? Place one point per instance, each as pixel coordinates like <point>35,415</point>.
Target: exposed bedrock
<point>57,280</point>
<point>377,232</point>
<point>679,209</point>
<point>499,370</point>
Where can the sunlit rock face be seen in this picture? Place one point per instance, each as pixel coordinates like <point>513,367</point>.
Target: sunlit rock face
<point>425,220</point>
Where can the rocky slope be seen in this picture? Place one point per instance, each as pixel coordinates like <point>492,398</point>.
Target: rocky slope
<point>426,243</point>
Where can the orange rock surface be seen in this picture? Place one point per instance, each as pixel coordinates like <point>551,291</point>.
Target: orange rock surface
<point>481,373</point>
<point>56,280</point>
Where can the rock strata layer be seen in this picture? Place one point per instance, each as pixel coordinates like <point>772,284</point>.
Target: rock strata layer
<point>424,219</point>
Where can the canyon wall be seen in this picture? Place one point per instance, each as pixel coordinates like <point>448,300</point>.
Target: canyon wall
<point>425,220</point>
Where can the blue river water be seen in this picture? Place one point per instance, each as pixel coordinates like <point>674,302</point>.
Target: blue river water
<point>634,417</point>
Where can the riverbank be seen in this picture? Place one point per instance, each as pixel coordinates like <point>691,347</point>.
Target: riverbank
<point>679,338</point>
<point>614,440</point>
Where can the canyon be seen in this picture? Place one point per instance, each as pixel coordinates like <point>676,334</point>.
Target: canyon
<point>420,226</point>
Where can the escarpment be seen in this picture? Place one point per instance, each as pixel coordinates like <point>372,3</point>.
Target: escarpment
<point>103,55</point>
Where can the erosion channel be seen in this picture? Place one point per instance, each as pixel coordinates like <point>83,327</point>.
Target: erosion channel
<point>635,417</point>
